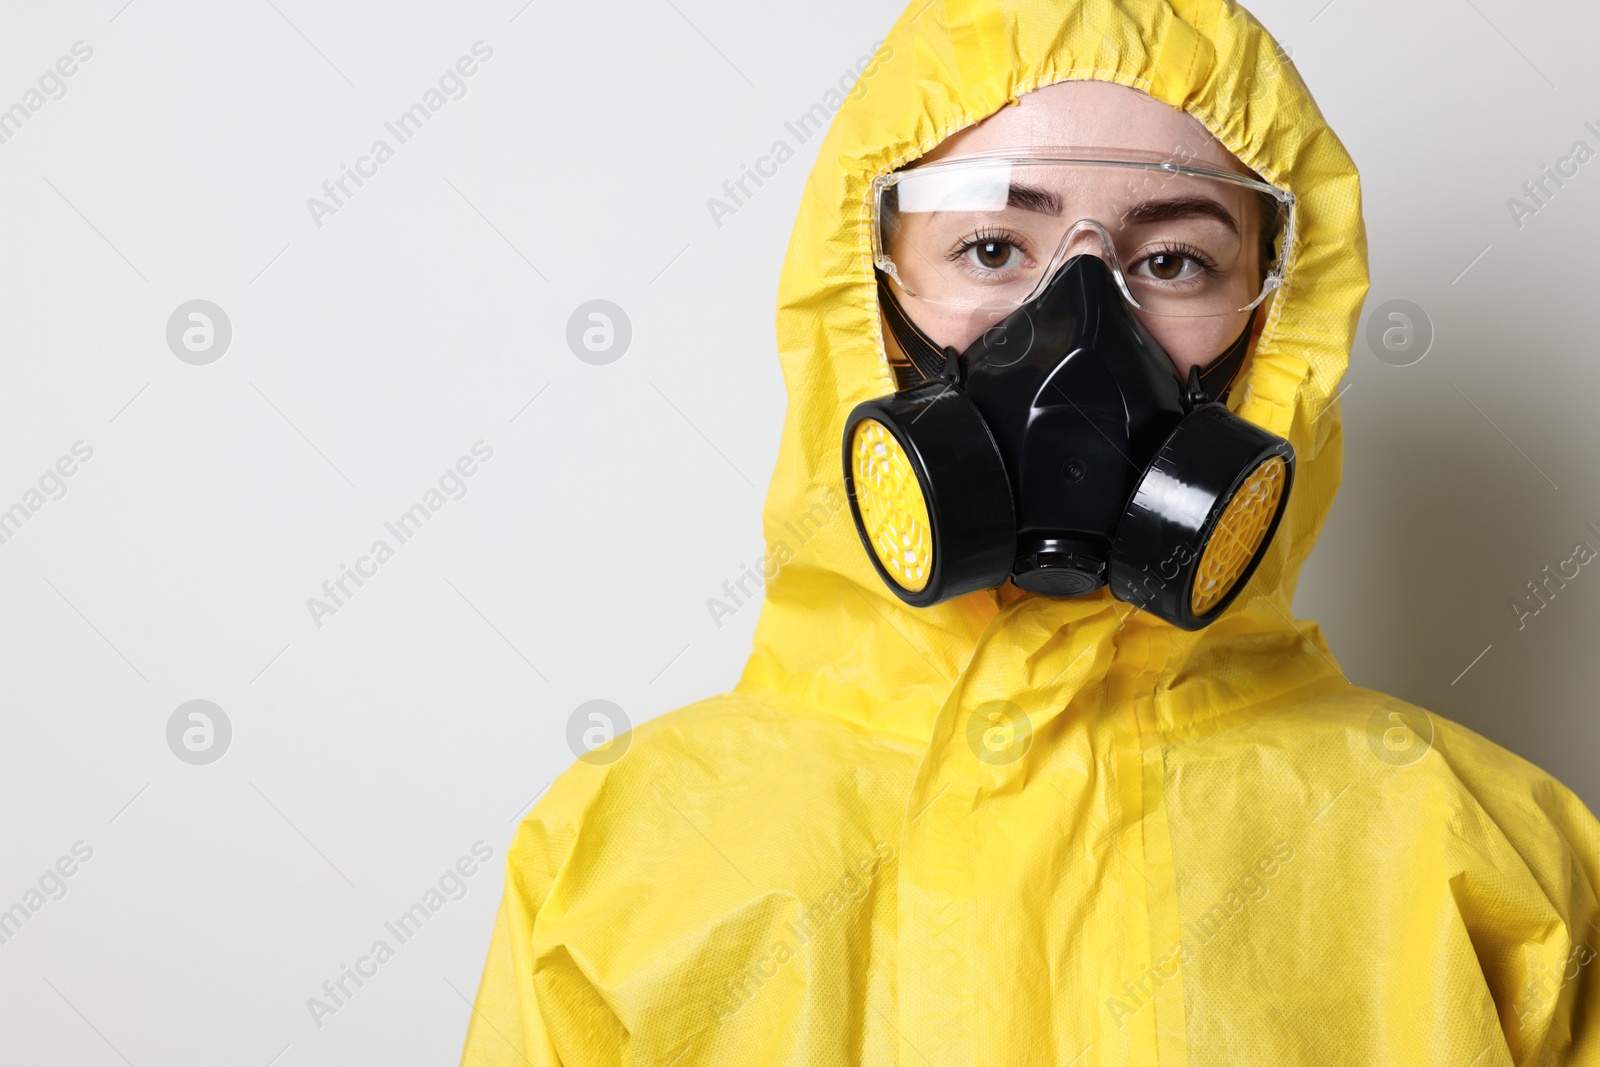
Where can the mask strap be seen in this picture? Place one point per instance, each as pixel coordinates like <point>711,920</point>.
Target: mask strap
<point>919,348</point>
<point>1217,378</point>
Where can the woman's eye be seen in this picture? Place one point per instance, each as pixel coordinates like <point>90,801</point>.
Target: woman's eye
<point>1170,266</point>
<point>994,255</point>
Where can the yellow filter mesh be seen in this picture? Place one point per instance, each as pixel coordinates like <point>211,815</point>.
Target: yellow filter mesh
<point>893,511</point>
<point>1238,534</point>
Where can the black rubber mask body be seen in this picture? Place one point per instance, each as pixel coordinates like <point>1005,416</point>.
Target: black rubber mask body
<point>1063,450</point>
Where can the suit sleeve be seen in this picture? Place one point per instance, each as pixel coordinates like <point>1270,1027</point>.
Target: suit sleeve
<point>1567,993</point>
<point>1529,896</point>
<point>508,1026</point>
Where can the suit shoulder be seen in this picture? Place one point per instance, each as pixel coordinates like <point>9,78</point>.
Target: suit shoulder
<point>714,773</point>
<point>1411,757</point>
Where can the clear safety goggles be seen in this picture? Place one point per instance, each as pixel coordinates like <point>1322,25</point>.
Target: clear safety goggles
<point>986,231</point>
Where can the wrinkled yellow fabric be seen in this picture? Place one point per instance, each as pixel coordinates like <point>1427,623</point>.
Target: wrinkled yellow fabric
<point>1213,849</point>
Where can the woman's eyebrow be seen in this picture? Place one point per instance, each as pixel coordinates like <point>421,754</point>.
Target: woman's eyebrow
<point>1179,208</point>
<point>1033,198</point>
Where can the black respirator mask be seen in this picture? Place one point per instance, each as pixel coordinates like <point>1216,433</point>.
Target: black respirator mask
<point>1062,450</point>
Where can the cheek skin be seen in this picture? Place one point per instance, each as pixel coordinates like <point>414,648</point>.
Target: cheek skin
<point>1194,342</point>
<point>948,326</point>
<point>960,327</point>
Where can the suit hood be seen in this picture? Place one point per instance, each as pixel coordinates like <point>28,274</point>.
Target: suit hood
<point>830,634</point>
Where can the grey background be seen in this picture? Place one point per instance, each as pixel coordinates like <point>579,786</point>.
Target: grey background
<point>368,354</point>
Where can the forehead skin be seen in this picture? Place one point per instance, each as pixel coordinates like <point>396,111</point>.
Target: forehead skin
<point>1094,114</point>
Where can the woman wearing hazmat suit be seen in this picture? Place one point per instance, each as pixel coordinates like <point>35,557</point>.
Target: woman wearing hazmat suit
<point>1031,763</point>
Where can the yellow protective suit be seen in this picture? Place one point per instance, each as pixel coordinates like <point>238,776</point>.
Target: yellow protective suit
<point>1012,830</point>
